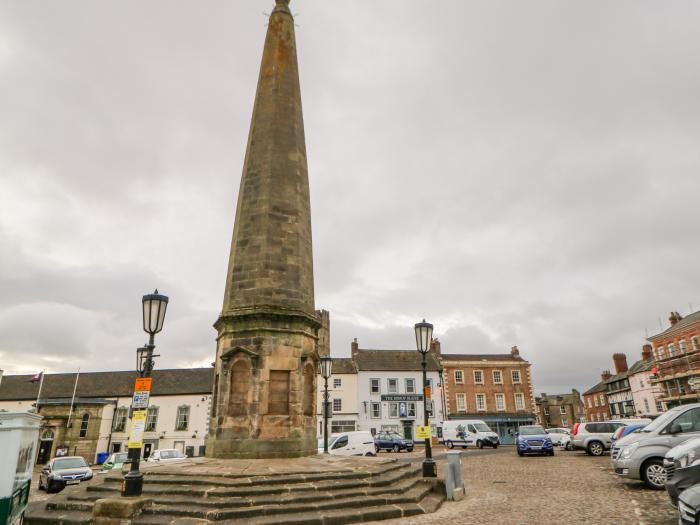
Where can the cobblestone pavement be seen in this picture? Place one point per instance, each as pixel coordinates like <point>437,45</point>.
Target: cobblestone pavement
<point>569,488</point>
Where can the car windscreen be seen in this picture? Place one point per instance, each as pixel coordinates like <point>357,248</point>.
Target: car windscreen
<point>531,431</point>
<point>662,420</point>
<point>60,464</point>
<point>481,427</point>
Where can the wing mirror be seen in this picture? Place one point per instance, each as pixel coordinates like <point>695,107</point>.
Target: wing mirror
<point>675,428</point>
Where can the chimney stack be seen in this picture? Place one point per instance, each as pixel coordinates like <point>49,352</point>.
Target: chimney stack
<point>605,375</point>
<point>435,347</point>
<point>354,347</point>
<point>514,351</point>
<point>674,318</point>
<point>620,361</point>
<point>647,353</point>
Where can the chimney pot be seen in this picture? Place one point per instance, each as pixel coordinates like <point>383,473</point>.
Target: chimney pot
<point>605,375</point>
<point>435,347</point>
<point>514,351</point>
<point>620,361</point>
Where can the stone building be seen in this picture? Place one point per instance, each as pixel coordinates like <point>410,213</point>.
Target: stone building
<point>96,419</point>
<point>342,393</point>
<point>560,410</point>
<point>595,400</point>
<point>677,355</point>
<point>268,331</point>
<point>495,388</point>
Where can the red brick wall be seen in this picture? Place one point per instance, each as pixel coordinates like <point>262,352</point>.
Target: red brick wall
<point>596,413</point>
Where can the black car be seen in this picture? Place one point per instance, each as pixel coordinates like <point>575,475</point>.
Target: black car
<point>60,472</point>
<point>392,441</point>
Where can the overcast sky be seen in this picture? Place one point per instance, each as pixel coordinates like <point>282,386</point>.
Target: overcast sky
<point>515,172</point>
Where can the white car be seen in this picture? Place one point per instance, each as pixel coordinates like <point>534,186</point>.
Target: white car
<point>166,455</point>
<point>565,442</point>
<point>557,434</point>
<point>358,443</point>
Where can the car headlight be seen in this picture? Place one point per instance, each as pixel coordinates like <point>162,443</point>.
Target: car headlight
<point>686,459</point>
<point>627,451</point>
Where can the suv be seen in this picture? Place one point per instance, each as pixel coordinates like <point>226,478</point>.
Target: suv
<point>640,455</point>
<point>594,438</point>
<point>392,441</point>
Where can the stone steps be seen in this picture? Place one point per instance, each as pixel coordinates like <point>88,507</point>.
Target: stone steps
<point>371,491</point>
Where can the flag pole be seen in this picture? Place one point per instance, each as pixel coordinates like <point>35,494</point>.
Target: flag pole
<point>75,388</point>
<point>41,383</point>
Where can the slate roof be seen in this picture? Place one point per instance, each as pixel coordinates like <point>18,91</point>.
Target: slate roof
<point>409,360</point>
<point>558,399</point>
<point>343,365</point>
<point>639,366</point>
<point>600,387</point>
<point>681,325</point>
<point>481,357</point>
<point>107,384</point>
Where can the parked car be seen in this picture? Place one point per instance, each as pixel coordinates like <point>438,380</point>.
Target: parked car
<point>682,464</point>
<point>557,434</point>
<point>625,431</point>
<point>596,437</point>
<point>59,472</point>
<point>166,455</point>
<point>533,439</point>
<point>689,506</point>
<point>115,461</point>
<point>392,441</point>
<point>640,455</point>
<point>565,442</point>
<point>358,443</point>
<point>464,432</point>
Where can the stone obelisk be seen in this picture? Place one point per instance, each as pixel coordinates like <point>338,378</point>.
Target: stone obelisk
<point>266,357</point>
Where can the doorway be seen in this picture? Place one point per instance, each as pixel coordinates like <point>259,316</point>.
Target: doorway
<point>45,447</point>
<point>408,430</point>
<point>180,445</point>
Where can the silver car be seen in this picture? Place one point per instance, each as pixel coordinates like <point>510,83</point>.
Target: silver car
<point>640,455</point>
<point>594,437</point>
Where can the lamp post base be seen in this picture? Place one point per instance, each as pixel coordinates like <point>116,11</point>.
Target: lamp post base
<point>429,468</point>
<point>132,484</point>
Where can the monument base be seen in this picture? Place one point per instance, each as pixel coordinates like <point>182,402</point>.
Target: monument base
<point>225,447</point>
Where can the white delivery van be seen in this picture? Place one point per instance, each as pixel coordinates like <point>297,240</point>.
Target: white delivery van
<point>464,432</point>
<point>359,443</point>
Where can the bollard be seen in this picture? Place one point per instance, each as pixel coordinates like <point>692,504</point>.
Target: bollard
<point>454,464</point>
<point>449,482</point>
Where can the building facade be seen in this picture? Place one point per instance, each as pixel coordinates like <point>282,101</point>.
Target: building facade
<point>618,390</point>
<point>342,393</point>
<point>645,393</point>
<point>595,400</point>
<point>389,390</point>
<point>97,420</point>
<point>495,388</point>
<point>560,410</point>
<point>677,360</point>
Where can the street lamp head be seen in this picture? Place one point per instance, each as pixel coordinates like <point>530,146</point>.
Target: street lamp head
<point>326,366</point>
<point>424,336</point>
<point>154,306</point>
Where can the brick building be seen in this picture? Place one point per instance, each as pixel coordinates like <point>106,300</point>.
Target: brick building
<point>560,410</point>
<point>496,388</point>
<point>677,356</point>
<point>595,400</point>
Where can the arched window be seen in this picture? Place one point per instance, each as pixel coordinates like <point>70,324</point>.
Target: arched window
<point>240,386</point>
<point>309,390</point>
<point>84,425</point>
<point>47,435</point>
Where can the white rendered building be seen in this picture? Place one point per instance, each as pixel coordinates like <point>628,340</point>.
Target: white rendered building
<point>342,394</point>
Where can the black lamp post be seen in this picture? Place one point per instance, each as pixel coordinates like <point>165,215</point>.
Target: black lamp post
<point>326,371</point>
<point>424,336</point>
<point>154,306</point>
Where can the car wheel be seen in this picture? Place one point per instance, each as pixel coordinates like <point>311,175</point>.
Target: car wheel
<point>449,444</point>
<point>396,448</point>
<point>496,445</point>
<point>376,448</point>
<point>520,454</point>
<point>654,474</point>
<point>369,454</point>
<point>550,453</point>
<point>50,488</point>
<point>409,449</point>
<point>567,446</point>
<point>464,446</point>
<point>479,444</point>
<point>595,448</point>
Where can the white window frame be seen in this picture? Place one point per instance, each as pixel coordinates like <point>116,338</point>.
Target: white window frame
<point>481,375</point>
<point>513,373</point>
<point>395,381</point>
<point>410,381</point>
<point>683,346</point>
<point>671,349</point>
<point>151,419</point>
<point>519,405</point>
<point>500,377</point>
<point>183,416</point>
<point>562,410</point>
<point>393,410</point>
<point>459,377</point>
<point>371,385</point>
<point>461,402</point>
<point>590,403</point>
<point>602,399</point>
<point>411,408</point>
<point>340,404</point>
<point>378,405</point>
<point>337,382</point>
<point>695,342</point>
<point>481,403</point>
<point>502,398</point>
<point>595,401</point>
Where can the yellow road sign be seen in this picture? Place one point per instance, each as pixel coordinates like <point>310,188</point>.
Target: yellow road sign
<point>138,425</point>
<point>423,432</point>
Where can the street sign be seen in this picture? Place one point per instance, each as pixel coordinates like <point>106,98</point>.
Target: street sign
<point>140,401</point>
<point>138,425</point>
<point>422,432</point>
<point>143,383</point>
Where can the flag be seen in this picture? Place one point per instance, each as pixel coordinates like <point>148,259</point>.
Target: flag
<point>36,377</point>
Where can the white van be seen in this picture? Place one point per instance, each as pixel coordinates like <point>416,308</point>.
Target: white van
<point>464,432</point>
<point>359,443</point>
